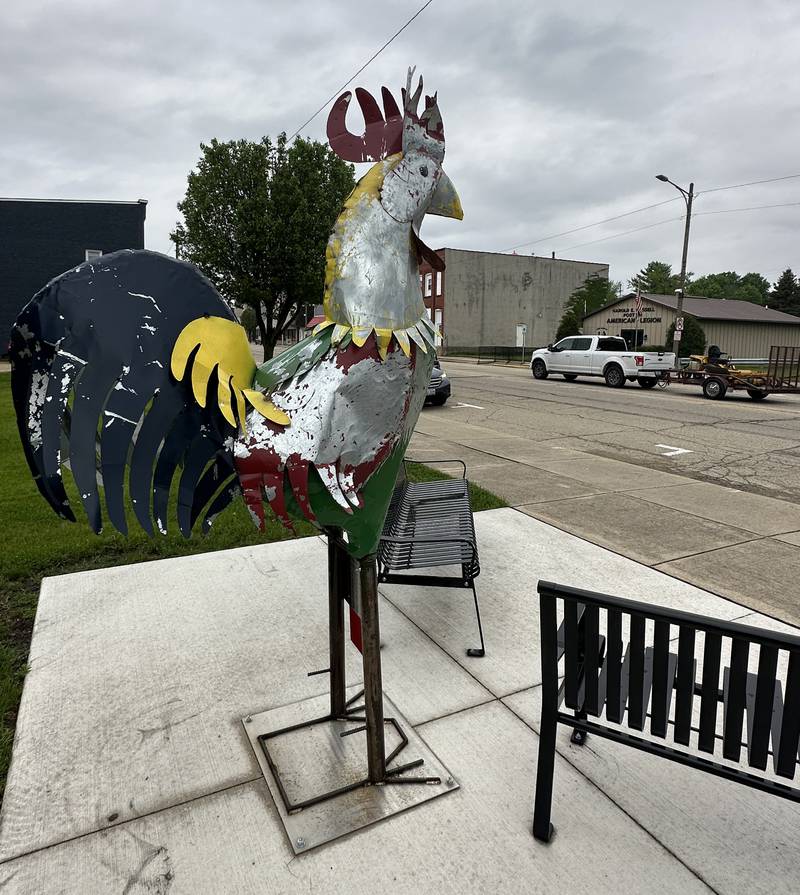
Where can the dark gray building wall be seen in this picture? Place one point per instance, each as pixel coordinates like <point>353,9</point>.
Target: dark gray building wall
<point>488,294</point>
<point>41,239</point>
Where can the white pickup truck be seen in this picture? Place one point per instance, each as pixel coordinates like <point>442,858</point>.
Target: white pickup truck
<point>606,356</point>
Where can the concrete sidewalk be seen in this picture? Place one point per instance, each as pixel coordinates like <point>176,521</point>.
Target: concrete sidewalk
<point>733,543</point>
<point>132,773</point>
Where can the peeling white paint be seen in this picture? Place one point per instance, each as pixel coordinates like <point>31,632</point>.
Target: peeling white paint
<point>150,297</point>
<point>339,419</point>
<point>117,416</point>
<point>38,392</point>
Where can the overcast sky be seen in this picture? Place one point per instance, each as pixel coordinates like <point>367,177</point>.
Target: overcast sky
<point>557,114</point>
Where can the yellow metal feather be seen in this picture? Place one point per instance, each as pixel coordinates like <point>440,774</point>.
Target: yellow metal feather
<point>383,336</point>
<point>360,335</point>
<point>222,345</point>
<point>265,407</point>
<point>403,341</point>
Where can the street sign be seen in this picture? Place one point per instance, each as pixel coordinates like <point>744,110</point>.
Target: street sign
<point>679,324</point>
<point>678,334</point>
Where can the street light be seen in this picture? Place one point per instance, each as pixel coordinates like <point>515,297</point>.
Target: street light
<point>688,196</point>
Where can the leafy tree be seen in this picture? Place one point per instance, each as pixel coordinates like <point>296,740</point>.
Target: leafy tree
<point>248,321</point>
<point>256,220</point>
<point>570,325</point>
<point>657,277</point>
<point>749,287</point>
<point>752,283</point>
<point>593,294</point>
<point>693,340</point>
<point>785,295</point>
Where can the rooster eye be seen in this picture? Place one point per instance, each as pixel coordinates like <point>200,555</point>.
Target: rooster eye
<point>423,171</point>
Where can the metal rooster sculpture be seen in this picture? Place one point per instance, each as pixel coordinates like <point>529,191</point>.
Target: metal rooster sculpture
<point>134,362</point>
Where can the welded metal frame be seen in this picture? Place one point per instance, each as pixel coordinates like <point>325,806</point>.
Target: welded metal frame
<point>341,569</point>
<point>604,676</point>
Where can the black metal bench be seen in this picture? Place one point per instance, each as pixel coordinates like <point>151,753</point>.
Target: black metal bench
<point>429,524</point>
<point>619,668</point>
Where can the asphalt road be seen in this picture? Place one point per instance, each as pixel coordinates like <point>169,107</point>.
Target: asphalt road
<point>734,442</point>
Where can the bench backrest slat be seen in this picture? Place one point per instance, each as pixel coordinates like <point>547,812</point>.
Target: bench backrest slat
<point>735,698</point>
<point>790,728</point>
<point>662,680</point>
<point>758,737</point>
<point>684,685</point>
<point>709,696</point>
<point>591,652</point>
<point>637,705</point>
<point>571,660</point>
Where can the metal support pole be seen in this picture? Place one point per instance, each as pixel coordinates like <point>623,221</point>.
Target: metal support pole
<point>373,682</point>
<point>338,578</point>
<point>688,197</point>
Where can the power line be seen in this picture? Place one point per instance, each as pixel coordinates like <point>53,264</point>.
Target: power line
<point>371,59</point>
<point>750,208</point>
<point>681,218</point>
<point>589,226</point>
<point>733,186</point>
<point>736,186</point>
<point>624,233</point>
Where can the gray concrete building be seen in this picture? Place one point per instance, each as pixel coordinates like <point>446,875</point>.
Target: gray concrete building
<point>487,298</point>
<point>740,328</point>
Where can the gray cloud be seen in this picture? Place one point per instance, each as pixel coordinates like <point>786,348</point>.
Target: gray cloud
<point>556,115</point>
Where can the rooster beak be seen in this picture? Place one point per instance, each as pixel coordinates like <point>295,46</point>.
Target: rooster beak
<point>445,201</point>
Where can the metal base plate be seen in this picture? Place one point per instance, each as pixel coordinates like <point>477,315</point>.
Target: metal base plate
<point>313,760</point>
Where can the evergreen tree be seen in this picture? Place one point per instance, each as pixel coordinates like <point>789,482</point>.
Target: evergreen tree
<point>593,294</point>
<point>570,325</point>
<point>657,277</point>
<point>693,340</point>
<point>785,295</point>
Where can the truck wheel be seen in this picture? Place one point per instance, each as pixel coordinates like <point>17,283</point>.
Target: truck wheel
<point>714,388</point>
<point>570,377</point>
<point>539,369</point>
<point>614,376</point>
<point>648,382</point>
<point>756,395</point>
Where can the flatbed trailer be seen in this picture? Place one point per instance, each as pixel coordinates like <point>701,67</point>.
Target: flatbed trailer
<point>717,378</point>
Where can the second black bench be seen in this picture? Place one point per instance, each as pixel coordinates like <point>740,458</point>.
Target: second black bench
<point>643,694</point>
<point>428,525</point>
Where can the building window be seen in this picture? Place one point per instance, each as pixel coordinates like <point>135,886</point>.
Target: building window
<point>438,282</point>
<point>93,254</point>
<point>428,284</point>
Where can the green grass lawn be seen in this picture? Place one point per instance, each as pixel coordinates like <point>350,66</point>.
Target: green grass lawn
<point>37,544</point>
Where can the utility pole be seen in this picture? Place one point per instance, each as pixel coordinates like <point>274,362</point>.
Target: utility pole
<point>688,196</point>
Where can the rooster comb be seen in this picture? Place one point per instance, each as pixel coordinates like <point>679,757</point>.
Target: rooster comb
<point>389,131</point>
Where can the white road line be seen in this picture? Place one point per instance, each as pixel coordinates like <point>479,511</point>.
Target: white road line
<point>473,406</point>
<point>673,451</point>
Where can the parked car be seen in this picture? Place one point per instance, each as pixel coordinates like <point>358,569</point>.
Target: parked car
<point>439,385</point>
<point>606,356</point>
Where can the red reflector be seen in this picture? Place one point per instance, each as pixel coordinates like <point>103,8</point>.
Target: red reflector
<point>355,630</point>
<point>639,358</point>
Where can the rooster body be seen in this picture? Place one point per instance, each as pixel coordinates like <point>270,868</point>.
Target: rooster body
<point>146,347</point>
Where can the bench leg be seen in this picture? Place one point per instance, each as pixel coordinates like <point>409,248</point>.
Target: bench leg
<point>477,653</point>
<point>543,829</point>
